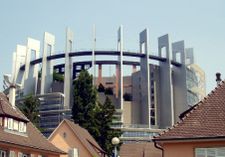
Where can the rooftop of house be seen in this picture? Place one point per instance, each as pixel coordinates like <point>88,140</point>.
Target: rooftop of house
<point>139,149</point>
<point>33,137</point>
<point>205,120</point>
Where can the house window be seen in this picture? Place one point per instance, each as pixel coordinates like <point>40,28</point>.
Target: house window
<point>22,127</point>
<point>2,153</point>
<point>5,122</point>
<point>12,154</point>
<point>73,152</point>
<point>15,125</point>
<point>210,152</point>
<point>10,123</point>
<point>1,123</point>
<point>22,155</point>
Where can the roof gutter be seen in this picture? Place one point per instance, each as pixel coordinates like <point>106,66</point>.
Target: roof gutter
<point>190,138</point>
<point>159,147</point>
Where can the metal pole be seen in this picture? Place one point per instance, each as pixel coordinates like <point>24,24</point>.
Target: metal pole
<point>115,151</point>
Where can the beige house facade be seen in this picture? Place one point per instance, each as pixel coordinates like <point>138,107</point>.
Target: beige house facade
<point>74,140</point>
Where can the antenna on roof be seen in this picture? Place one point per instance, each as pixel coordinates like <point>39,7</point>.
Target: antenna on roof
<point>218,79</point>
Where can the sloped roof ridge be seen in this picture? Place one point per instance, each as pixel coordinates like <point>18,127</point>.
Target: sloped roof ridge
<point>81,138</point>
<point>191,111</point>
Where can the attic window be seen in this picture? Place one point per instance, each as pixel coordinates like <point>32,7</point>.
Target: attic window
<point>1,123</point>
<point>64,135</point>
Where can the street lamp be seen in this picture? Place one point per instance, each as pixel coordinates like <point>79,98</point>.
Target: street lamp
<point>115,142</point>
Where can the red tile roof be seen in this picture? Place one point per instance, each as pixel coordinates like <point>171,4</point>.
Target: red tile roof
<point>205,120</point>
<point>7,110</point>
<point>140,149</point>
<point>33,139</point>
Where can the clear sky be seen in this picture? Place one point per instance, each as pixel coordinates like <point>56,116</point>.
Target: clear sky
<point>201,23</point>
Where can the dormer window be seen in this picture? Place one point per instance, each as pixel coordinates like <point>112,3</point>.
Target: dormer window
<point>1,121</point>
<point>22,127</point>
<point>14,125</point>
<point>10,123</point>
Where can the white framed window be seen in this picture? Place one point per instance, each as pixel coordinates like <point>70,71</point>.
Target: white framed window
<point>5,122</point>
<point>12,154</point>
<point>73,152</point>
<point>2,153</point>
<point>15,125</point>
<point>22,127</point>
<point>1,121</point>
<point>20,154</point>
<point>210,152</point>
<point>10,123</point>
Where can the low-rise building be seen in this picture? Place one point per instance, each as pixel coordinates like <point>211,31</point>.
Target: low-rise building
<point>201,131</point>
<point>75,140</point>
<point>19,137</point>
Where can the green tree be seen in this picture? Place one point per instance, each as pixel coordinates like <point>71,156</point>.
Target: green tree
<point>84,106</point>
<point>105,117</point>
<point>89,113</point>
<point>30,108</point>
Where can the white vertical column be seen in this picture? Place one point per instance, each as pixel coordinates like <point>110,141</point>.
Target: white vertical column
<point>93,54</point>
<point>68,68</point>
<point>120,70</point>
<point>20,60</point>
<point>179,79</point>
<point>145,82</point>
<point>165,86</point>
<point>31,71</point>
<point>47,68</point>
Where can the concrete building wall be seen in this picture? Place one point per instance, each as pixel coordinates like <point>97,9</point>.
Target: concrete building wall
<point>127,112</point>
<point>187,149</point>
<point>136,98</point>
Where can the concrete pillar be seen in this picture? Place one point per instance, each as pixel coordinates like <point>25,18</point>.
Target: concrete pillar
<point>120,68</point>
<point>68,68</point>
<point>47,67</point>
<point>20,60</point>
<point>93,55</point>
<point>31,71</point>
<point>189,56</point>
<point>179,79</point>
<point>166,109</point>
<point>99,73</point>
<point>134,68</point>
<point>145,82</point>
<point>117,81</point>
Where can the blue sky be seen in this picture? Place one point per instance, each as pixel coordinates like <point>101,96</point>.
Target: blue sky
<point>200,23</point>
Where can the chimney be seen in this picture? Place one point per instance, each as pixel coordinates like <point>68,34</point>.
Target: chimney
<point>12,95</point>
<point>218,79</point>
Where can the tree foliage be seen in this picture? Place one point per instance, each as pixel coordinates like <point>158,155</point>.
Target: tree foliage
<point>105,116</point>
<point>30,108</point>
<point>89,113</point>
<point>58,77</point>
<point>85,98</point>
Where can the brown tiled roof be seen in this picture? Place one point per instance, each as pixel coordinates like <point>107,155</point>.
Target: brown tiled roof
<point>142,149</point>
<point>84,136</point>
<point>33,138</point>
<point>7,110</point>
<point>205,120</point>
